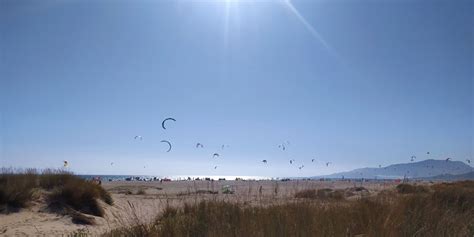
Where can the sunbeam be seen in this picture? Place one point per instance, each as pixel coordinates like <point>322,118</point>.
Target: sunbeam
<point>226,23</point>
<point>309,27</point>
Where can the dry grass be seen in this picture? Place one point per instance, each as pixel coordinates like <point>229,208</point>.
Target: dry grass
<point>197,192</point>
<point>16,190</point>
<point>321,194</point>
<point>443,210</point>
<point>409,188</point>
<point>78,195</point>
<point>65,193</point>
<point>440,210</point>
<point>50,179</point>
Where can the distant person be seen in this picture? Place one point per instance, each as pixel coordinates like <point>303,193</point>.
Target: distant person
<point>97,180</point>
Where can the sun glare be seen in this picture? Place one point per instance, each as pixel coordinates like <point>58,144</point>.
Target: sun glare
<point>228,1</point>
<point>308,26</point>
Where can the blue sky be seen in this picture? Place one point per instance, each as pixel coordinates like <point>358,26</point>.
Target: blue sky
<point>357,83</point>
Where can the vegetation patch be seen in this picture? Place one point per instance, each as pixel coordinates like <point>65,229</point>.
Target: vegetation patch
<point>409,188</point>
<point>444,210</point>
<point>189,193</point>
<point>16,190</point>
<point>65,193</point>
<point>321,194</point>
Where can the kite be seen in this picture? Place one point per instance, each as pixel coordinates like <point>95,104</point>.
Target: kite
<point>164,121</point>
<point>169,144</point>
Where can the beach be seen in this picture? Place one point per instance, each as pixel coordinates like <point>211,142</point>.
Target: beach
<point>143,201</point>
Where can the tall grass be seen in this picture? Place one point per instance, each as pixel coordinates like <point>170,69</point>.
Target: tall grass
<point>321,194</point>
<point>64,192</point>
<point>78,195</point>
<point>440,210</point>
<point>408,188</point>
<point>16,190</point>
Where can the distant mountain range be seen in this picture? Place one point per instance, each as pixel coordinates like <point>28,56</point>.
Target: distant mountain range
<point>420,169</point>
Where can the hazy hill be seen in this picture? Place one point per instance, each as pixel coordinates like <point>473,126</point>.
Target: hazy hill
<point>426,168</point>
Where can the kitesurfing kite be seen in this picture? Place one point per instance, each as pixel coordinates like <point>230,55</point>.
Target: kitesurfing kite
<point>282,146</point>
<point>164,121</point>
<point>224,146</point>
<point>169,144</point>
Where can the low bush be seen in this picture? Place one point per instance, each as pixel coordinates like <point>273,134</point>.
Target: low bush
<point>409,188</point>
<point>65,193</point>
<point>77,194</point>
<point>16,190</point>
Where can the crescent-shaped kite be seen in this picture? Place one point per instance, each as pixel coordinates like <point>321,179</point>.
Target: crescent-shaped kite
<point>164,121</point>
<point>169,144</point>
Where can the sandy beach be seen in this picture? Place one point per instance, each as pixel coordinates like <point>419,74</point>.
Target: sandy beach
<point>139,200</point>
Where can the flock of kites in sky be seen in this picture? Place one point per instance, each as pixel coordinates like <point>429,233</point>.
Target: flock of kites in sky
<point>283,146</point>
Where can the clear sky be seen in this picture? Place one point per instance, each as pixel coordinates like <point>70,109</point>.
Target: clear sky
<point>356,83</point>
